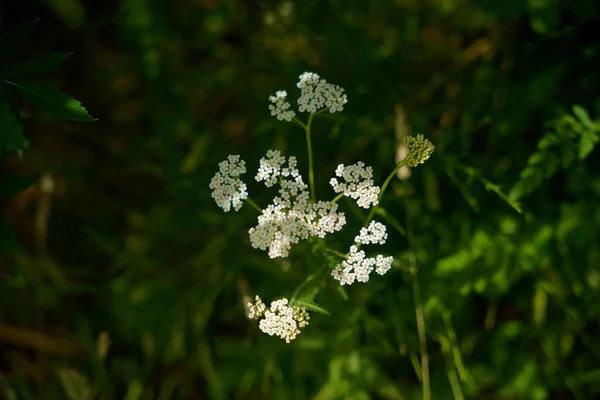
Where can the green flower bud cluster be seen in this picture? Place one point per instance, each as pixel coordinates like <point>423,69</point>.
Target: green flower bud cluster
<point>419,150</point>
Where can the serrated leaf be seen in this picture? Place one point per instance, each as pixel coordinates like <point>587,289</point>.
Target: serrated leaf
<point>8,241</point>
<point>11,128</point>
<point>11,186</point>
<point>34,67</point>
<point>309,305</point>
<point>52,100</point>
<point>11,42</point>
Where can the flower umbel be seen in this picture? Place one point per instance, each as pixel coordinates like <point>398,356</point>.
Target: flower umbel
<point>291,217</point>
<point>280,107</point>
<point>316,94</point>
<point>257,309</point>
<point>419,150</point>
<point>358,267</point>
<point>227,187</point>
<point>280,319</point>
<point>358,184</point>
<point>375,233</point>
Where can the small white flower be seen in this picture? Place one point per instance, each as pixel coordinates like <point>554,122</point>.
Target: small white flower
<point>383,264</point>
<point>280,108</point>
<point>227,187</point>
<point>375,233</point>
<point>257,309</point>
<point>316,94</point>
<point>358,184</point>
<point>280,319</point>
<point>291,217</point>
<point>358,267</point>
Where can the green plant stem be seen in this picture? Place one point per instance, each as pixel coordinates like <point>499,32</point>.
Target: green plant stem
<point>418,311</point>
<point>421,331</point>
<point>339,196</point>
<point>253,204</point>
<point>335,252</point>
<point>311,172</point>
<point>296,120</point>
<point>383,187</point>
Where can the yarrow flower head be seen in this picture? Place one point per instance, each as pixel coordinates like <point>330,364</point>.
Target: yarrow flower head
<point>291,217</point>
<point>358,267</point>
<point>280,107</point>
<point>358,184</point>
<point>375,233</point>
<point>280,319</point>
<point>419,150</point>
<point>227,187</point>
<point>317,93</point>
<point>257,309</point>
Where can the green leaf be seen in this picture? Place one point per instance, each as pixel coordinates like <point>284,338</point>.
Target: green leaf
<point>309,305</point>
<point>11,128</point>
<point>35,67</point>
<point>54,101</point>
<point>13,41</point>
<point>587,143</point>
<point>11,186</point>
<point>8,241</point>
<point>583,116</point>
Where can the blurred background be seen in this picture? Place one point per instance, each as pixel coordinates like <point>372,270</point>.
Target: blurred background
<point>130,282</point>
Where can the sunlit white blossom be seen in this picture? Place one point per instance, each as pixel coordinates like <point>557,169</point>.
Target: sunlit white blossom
<point>291,217</point>
<point>317,94</point>
<point>227,187</point>
<point>357,184</point>
<point>375,233</point>
<point>383,264</point>
<point>280,108</point>
<point>358,267</point>
<point>280,319</point>
<point>257,309</point>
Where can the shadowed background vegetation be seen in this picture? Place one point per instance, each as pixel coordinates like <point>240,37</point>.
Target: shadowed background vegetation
<point>129,282</point>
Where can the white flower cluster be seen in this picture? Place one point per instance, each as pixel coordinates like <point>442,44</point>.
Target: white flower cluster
<point>227,187</point>
<point>280,319</point>
<point>317,93</point>
<point>375,233</point>
<point>358,267</point>
<point>291,217</point>
<point>280,107</point>
<point>358,184</point>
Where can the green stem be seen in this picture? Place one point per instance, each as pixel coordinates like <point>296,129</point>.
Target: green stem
<point>418,311</point>
<point>253,204</point>
<point>383,187</point>
<point>311,172</point>
<point>296,120</point>
<point>337,253</point>
<point>339,196</point>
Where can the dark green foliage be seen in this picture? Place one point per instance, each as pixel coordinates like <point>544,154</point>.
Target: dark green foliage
<point>135,282</point>
<point>569,138</point>
<point>15,75</point>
